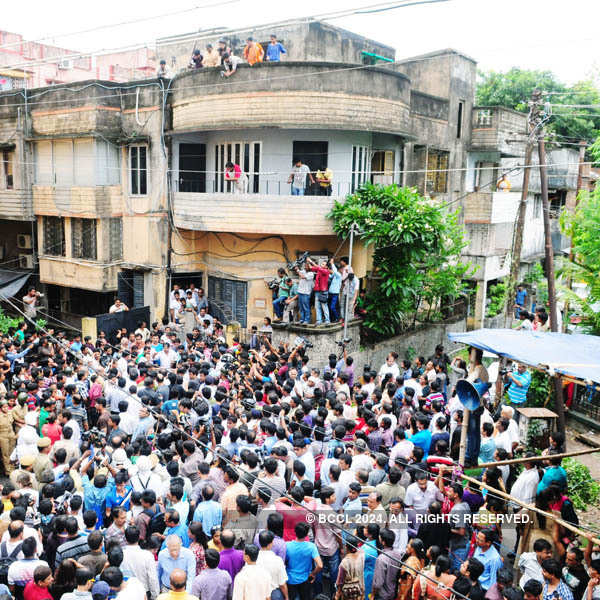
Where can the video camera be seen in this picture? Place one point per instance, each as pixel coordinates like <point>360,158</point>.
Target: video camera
<point>299,262</point>
<point>94,436</point>
<point>273,284</point>
<point>303,341</point>
<point>344,342</point>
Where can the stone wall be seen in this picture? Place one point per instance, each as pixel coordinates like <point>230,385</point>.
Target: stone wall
<point>421,342</point>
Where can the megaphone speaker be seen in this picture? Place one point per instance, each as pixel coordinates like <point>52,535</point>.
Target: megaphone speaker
<point>470,393</point>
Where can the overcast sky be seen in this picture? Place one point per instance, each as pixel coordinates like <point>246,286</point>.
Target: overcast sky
<point>532,34</point>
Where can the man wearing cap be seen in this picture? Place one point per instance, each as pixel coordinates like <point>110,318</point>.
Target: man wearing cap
<point>26,467</point>
<point>100,590</point>
<point>42,461</point>
<point>7,435</point>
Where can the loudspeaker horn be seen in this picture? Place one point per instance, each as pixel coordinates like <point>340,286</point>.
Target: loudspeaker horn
<point>470,393</point>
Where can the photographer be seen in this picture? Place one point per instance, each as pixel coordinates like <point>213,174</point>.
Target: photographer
<point>282,289</point>
<point>30,303</point>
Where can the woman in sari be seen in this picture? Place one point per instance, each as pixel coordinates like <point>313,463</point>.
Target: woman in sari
<point>414,560</point>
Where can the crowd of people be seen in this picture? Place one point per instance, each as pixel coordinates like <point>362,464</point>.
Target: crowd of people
<point>173,464</point>
<point>332,288</point>
<point>224,57</point>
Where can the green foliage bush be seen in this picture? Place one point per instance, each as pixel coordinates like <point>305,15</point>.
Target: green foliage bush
<point>582,489</point>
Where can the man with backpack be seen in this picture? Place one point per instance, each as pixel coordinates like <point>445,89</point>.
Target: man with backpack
<point>151,519</point>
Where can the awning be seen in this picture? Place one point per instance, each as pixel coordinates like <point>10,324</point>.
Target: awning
<point>573,355</point>
<point>11,282</point>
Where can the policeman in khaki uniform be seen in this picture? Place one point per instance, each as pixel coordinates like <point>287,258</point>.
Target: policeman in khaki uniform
<point>26,467</point>
<point>7,435</point>
<point>19,411</point>
<point>42,461</point>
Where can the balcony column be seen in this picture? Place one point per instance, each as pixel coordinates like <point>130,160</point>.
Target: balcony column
<point>480,298</point>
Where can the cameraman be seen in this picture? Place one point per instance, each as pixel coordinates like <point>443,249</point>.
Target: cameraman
<point>30,302</point>
<point>283,292</point>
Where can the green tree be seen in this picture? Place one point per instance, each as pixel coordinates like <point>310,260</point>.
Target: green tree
<point>582,226</point>
<point>416,259</point>
<point>513,90</point>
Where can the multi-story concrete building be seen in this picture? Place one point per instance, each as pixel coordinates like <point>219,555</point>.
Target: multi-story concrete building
<point>124,186</point>
<point>30,64</point>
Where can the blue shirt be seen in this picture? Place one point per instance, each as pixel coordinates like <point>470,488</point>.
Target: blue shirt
<point>335,285</point>
<point>274,52</point>
<point>95,498</point>
<point>518,393</point>
<point>113,499</point>
<point>556,475</point>
<point>521,297</point>
<point>209,513</point>
<point>421,439</point>
<point>181,532</point>
<point>168,406</point>
<point>299,560</point>
<point>166,563</point>
<point>491,561</point>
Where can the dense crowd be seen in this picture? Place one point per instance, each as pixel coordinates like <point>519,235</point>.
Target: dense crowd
<point>167,462</point>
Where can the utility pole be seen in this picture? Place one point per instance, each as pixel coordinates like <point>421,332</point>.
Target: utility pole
<point>558,392</point>
<point>533,121</point>
<point>582,147</point>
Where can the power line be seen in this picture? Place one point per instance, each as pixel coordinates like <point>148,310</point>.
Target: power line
<point>322,16</point>
<point>120,24</point>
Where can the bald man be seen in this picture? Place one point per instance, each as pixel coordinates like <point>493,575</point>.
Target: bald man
<point>175,558</point>
<point>178,581</point>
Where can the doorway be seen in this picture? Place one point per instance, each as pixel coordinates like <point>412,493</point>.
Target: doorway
<point>192,168</point>
<point>382,167</point>
<point>313,154</point>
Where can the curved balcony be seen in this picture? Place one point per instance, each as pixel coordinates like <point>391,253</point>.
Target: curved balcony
<point>294,95</point>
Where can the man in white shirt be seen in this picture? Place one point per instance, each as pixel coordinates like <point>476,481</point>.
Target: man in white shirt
<point>166,356</point>
<point>304,455</point>
<point>421,493</point>
<point>140,563</point>
<point>361,461</point>
<point>118,307</point>
<point>525,487</point>
<point>530,563</point>
<point>253,582</point>
<point>389,366</point>
<point>272,564</point>
<point>508,412</point>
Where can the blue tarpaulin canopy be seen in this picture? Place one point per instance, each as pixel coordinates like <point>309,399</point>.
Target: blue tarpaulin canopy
<point>574,355</point>
<point>11,282</point>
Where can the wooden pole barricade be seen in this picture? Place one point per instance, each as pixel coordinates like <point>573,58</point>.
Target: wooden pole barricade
<point>516,461</point>
<point>548,515</point>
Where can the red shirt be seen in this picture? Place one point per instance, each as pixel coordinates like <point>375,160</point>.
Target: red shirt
<point>321,279</point>
<point>292,514</point>
<point>53,431</point>
<point>33,591</point>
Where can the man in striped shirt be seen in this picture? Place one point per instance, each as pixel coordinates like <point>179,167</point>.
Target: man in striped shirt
<point>519,384</point>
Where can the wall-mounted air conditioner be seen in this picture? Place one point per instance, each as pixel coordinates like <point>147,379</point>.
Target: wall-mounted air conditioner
<point>25,261</point>
<point>24,241</point>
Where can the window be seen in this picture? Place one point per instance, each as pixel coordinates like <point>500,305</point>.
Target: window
<point>130,287</point>
<point>228,299</point>
<point>459,119</point>
<point>54,236</point>
<point>76,162</point>
<point>361,157</point>
<point>83,238</point>
<point>484,117</point>
<point>437,171</point>
<point>138,166</point>
<point>115,238</point>
<point>7,181</point>
<point>245,154</point>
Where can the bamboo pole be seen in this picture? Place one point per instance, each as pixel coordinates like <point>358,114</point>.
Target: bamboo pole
<point>516,461</point>
<point>548,515</point>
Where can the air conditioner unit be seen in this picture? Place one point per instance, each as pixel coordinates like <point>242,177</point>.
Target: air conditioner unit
<point>24,241</point>
<point>25,261</point>
<point>65,63</point>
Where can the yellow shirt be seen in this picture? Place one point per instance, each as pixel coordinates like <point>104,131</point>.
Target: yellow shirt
<point>326,174</point>
<point>212,59</point>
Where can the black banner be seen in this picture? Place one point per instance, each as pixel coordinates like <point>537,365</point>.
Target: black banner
<point>130,319</point>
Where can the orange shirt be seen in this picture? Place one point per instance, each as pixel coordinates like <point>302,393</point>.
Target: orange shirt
<point>254,53</point>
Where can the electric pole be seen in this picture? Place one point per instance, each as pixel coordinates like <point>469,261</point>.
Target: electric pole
<point>549,252</point>
<point>533,121</point>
